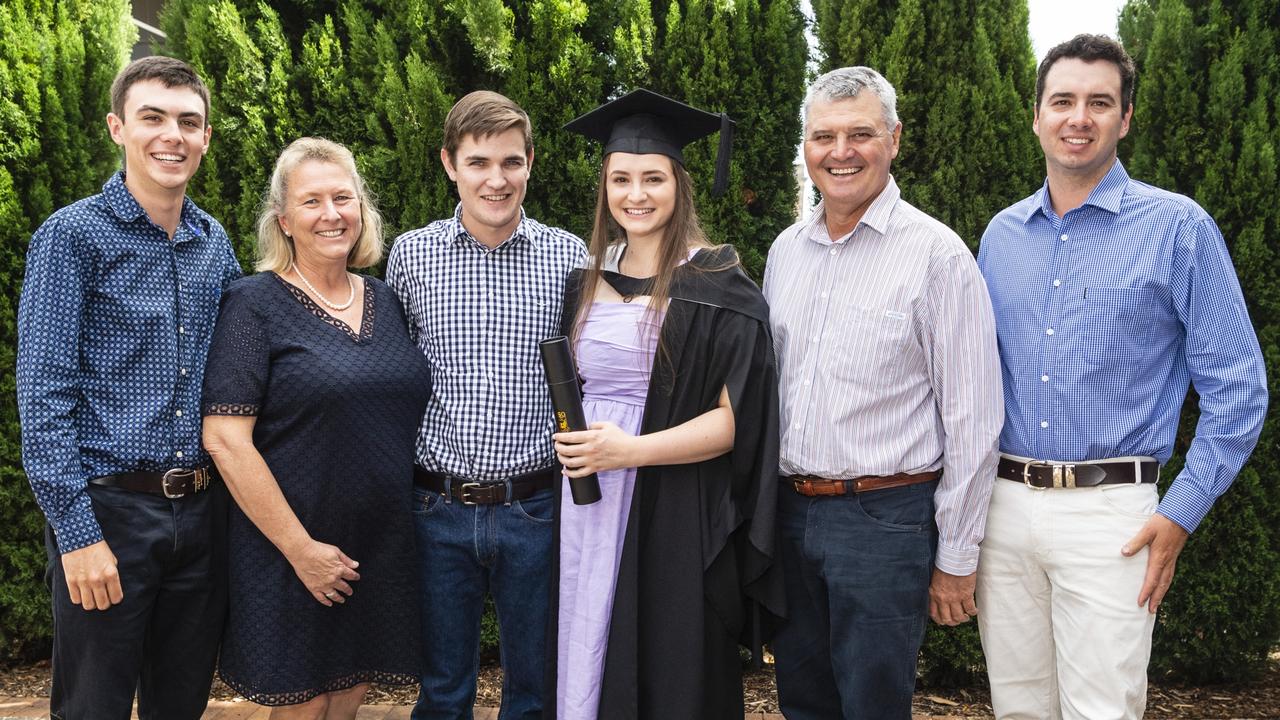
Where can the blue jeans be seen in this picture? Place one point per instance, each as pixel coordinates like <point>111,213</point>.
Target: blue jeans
<point>857,571</point>
<point>162,639</point>
<point>466,551</point>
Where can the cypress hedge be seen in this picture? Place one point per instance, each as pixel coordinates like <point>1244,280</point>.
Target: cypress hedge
<point>1207,124</point>
<point>57,59</point>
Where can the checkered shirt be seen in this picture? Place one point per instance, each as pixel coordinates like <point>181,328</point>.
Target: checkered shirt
<point>478,315</point>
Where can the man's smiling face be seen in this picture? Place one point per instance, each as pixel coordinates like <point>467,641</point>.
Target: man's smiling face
<point>1079,119</point>
<point>848,151</point>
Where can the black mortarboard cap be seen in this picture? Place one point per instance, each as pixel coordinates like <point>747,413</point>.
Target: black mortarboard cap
<point>643,122</point>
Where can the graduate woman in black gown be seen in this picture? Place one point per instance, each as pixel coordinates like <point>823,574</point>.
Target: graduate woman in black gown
<point>660,580</point>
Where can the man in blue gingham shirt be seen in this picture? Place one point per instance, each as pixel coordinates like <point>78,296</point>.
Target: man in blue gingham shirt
<point>480,290</point>
<point>1110,296</point>
<point>115,320</point>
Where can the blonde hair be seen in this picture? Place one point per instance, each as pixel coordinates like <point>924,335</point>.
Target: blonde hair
<point>275,249</point>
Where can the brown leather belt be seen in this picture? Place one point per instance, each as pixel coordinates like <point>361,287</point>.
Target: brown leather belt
<point>489,492</point>
<point>172,484</point>
<point>817,487</point>
<point>1045,475</point>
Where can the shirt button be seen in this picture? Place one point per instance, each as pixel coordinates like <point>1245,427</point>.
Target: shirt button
<point>178,413</point>
<point>178,454</point>
<point>181,331</point>
<point>182,371</point>
<point>1044,378</point>
<point>1049,331</point>
<point>1057,283</point>
<point>1044,423</point>
<point>1063,237</point>
<point>824,296</point>
<point>795,427</point>
<point>806,383</point>
<point>834,251</point>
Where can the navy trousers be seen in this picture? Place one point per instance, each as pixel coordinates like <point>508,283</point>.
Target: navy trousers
<point>857,571</point>
<point>162,640</point>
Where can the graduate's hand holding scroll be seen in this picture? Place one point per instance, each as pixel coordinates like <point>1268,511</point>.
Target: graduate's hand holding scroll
<point>603,446</point>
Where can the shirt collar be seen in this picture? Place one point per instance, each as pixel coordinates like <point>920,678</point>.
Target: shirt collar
<point>126,207</point>
<point>458,233</point>
<point>876,217</point>
<point>1106,195</point>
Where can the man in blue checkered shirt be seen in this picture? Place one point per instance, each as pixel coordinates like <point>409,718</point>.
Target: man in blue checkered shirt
<point>480,289</point>
<point>115,320</point>
<point>1110,296</point>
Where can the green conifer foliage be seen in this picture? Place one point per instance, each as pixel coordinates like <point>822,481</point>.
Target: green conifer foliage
<point>1207,124</point>
<point>57,59</point>
<point>965,77</point>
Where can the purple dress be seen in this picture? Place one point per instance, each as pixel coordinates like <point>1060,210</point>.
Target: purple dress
<point>615,354</point>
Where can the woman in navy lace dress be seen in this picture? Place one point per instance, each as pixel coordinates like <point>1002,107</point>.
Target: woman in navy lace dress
<point>312,400</point>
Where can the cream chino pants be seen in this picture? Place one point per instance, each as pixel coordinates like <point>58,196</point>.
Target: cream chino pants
<point>1062,631</point>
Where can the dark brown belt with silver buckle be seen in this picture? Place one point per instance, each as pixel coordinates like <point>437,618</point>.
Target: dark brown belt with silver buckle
<point>816,487</point>
<point>1045,475</point>
<point>471,492</point>
<point>172,484</point>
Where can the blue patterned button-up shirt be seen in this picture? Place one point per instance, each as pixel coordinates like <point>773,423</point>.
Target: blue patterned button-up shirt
<point>478,315</point>
<point>114,324</point>
<point>1103,317</point>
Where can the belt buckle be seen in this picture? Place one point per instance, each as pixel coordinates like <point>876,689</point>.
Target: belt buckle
<point>1064,474</point>
<point>175,475</point>
<point>1026,473</point>
<point>463,492</point>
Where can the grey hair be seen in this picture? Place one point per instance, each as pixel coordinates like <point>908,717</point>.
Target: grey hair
<point>849,82</point>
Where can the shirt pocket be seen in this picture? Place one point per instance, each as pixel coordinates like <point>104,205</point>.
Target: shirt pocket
<point>870,344</point>
<point>1117,325</point>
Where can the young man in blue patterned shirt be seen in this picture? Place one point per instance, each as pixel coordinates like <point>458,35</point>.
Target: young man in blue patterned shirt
<point>480,289</point>
<point>1110,296</point>
<point>114,323</point>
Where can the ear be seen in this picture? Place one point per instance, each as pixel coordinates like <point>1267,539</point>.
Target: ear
<point>1035,119</point>
<point>448,165</point>
<point>208,133</point>
<point>897,138</point>
<point>115,126</point>
<point>284,225</point>
<point>1124,121</point>
<point>528,167</point>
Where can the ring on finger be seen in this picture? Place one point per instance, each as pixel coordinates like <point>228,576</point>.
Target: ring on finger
<point>331,594</point>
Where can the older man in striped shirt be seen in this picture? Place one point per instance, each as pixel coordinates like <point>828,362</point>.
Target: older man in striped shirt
<point>891,409</point>
<point>1110,296</point>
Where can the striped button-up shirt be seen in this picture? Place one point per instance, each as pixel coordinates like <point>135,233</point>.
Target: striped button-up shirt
<point>887,355</point>
<point>1104,315</point>
<point>478,315</point>
<point>114,325</point>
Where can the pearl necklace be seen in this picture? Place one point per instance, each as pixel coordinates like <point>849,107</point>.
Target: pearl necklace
<point>333,306</point>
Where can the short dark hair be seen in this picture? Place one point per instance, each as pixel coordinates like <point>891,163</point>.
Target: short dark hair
<point>1091,48</point>
<point>169,71</point>
<point>483,113</point>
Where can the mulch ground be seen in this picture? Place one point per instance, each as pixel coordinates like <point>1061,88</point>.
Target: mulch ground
<point>1255,700</point>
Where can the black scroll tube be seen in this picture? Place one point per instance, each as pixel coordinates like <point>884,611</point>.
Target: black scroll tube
<point>566,400</point>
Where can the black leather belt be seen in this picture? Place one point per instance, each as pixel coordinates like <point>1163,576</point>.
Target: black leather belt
<point>471,492</point>
<point>172,484</point>
<point>1044,475</point>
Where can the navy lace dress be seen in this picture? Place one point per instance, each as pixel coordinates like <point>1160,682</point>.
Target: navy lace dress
<point>337,417</point>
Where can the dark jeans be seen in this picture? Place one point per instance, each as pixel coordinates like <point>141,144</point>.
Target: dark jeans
<point>466,551</point>
<point>162,639</point>
<point>857,571</point>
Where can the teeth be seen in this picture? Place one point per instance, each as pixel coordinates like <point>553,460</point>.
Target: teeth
<point>330,233</point>
<point>495,198</point>
<point>167,157</point>
<point>1077,141</point>
<point>843,171</point>
<point>639,211</point>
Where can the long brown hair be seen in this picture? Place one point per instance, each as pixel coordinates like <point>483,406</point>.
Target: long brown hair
<point>683,232</point>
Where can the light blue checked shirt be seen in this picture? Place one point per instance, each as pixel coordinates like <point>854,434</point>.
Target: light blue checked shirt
<point>1103,317</point>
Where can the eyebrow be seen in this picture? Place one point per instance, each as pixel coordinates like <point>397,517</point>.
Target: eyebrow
<point>153,109</point>
<point>1091,96</point>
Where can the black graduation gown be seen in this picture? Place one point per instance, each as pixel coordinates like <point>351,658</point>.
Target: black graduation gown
<point>697,571</point>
